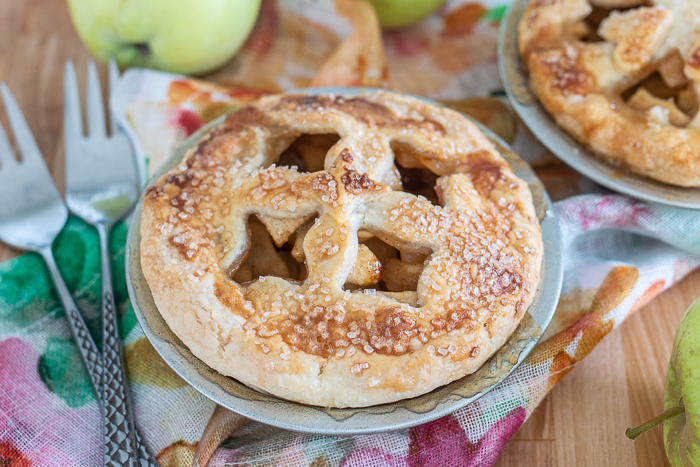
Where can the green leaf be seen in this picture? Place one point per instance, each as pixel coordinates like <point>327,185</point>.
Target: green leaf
<point>26,291</point>
<point>117,249</point>
<point>496,14</point>
<point>63,372</point>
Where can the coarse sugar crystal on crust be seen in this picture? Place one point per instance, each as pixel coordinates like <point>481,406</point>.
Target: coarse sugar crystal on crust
<point>335,287</point>
<point>622,77</point>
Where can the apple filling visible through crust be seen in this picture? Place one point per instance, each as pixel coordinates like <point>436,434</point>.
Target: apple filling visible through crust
<point>379,267</point>
<point>342,251</point>
<point>623,77</point>
<point>662,91</point>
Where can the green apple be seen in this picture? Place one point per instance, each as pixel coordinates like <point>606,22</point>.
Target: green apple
<point>682,416</point>
<point>394,14</point>
<point>682,432</point>
<point>180,36</point>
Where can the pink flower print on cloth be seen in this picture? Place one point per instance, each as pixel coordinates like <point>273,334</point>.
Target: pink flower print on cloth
<point>36,431</point>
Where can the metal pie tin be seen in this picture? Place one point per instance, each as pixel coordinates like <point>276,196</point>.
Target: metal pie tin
<point>289,415</point>
<point>565,147</point>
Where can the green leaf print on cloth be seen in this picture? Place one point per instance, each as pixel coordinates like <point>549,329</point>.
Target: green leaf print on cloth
<point>61,370</point>
<point>78,257</point>
<point>27,293</point>
<point>117,249</point>
<point>21,304</point>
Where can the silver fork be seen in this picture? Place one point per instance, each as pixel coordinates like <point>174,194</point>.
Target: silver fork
<point>101,187</point>
<point>32,214</point>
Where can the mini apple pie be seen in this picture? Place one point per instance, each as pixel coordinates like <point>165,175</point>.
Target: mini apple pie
<point>622,77</point>
<point>342,250</point>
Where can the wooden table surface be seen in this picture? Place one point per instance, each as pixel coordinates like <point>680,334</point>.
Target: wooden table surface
<point>583,419</point>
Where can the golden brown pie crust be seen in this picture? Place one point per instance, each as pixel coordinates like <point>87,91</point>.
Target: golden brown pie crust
<point>322,340</point>
<point>581,76</point>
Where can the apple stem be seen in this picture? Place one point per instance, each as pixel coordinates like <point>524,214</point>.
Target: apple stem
<point>632,433</point>
<point>143,49</point>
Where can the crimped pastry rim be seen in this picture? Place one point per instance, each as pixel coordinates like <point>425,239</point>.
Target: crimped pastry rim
<point>557,140</point>
<point>301,417</point>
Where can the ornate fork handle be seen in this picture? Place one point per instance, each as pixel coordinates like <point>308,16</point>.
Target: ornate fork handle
<point>146,459</point>
<point>120,444</point>
<point>120,441</point>
<point>88,350</point>
<point>115,396</point>
<point>95,364</point>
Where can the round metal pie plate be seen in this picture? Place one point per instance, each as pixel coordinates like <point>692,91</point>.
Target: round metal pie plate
<point>543,126</point>
<point>281,413</point>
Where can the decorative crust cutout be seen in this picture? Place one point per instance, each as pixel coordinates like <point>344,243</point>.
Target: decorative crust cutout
<point>582,83</point>
<point>476,256</point>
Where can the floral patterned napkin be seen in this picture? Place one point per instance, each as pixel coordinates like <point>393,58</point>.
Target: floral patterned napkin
<point>619,253</point>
